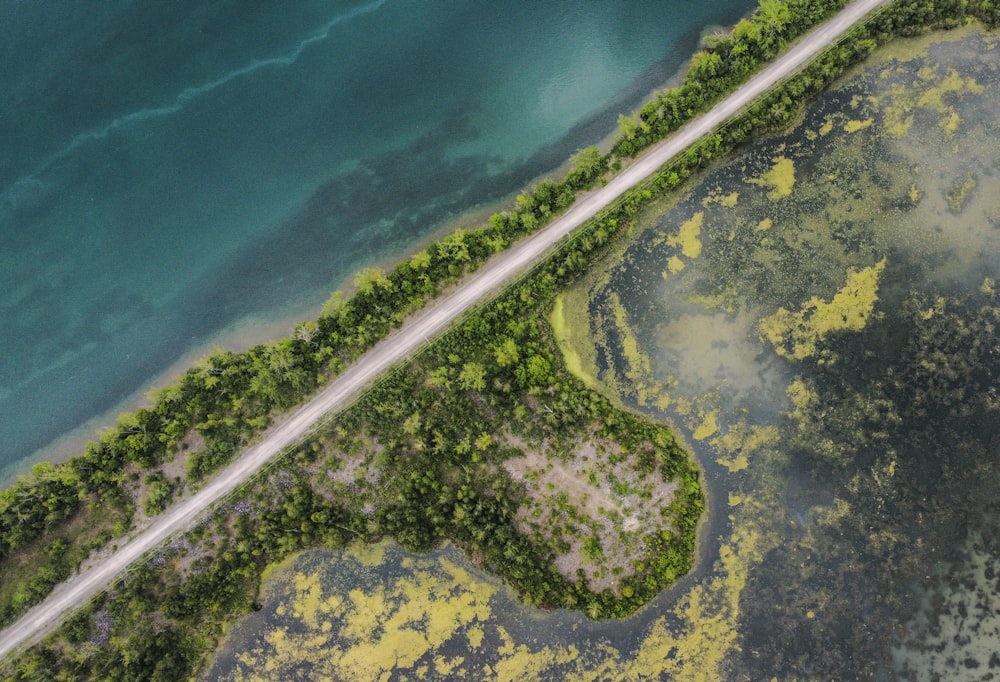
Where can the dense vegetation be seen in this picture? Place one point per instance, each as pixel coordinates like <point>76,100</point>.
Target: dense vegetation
<point>446,487</point>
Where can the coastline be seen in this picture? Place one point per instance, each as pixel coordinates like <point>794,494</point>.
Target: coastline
<point>238,337</point>
<point>251,331</point>
<point>703,518</point>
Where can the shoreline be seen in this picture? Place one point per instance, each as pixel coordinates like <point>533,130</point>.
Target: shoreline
<point>252,331</point>
<point>489,278</point>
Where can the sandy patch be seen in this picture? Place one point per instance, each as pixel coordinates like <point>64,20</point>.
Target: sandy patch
<point>593,508</point>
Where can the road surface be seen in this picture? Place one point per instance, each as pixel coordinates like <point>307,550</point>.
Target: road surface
<point>348,386</point>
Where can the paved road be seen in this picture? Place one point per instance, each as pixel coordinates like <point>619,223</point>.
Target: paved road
<point>393,350</point>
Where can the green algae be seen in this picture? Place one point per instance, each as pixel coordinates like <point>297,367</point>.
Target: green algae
<point>839,442</point>
<point>573,353</point>
<point>798,334</point>
<point>813,266</point>
<point>780,178</point>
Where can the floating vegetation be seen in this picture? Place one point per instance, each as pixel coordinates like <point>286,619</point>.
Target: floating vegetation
<point>797,335</point>
<point>394,622</point>
<point>781,178</point>
<point>835,321</point>
<point>688,237</point>
<point>959,194</point>
<point>825,337</point>
<point>855,126</point>
<point>339,616</point>
<point>727,200</point>
<point>955,631</point>
<point>572,354</point>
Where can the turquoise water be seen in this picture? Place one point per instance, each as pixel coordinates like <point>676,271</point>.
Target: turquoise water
<point>169,171</point>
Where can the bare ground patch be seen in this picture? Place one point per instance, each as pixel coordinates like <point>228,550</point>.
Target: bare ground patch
<point>593,508</point>
<point>355,472</point>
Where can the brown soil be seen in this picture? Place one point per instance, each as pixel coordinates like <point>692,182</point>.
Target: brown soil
<point>596,493</point>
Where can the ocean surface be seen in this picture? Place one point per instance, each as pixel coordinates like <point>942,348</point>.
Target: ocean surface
<point>179,174</point>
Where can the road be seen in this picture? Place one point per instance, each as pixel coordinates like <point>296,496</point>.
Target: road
<point>346,388</point>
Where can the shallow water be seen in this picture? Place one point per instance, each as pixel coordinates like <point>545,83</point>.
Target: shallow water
<point>829,349</point>
<point>170,172</point>
<point>819,317</point>
<point>826,341</point>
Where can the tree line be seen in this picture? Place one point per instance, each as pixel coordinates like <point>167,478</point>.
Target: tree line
<point>232,396</point>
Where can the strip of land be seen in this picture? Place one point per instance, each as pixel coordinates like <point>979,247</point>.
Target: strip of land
<point>476,290</point>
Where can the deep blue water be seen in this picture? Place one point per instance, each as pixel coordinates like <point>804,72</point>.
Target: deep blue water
<point>173,170</point>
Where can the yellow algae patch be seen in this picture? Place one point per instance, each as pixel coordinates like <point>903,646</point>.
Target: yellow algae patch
<point>765,225</point>
<point>370,633</point>
<point>989,286</point>
<point>367,554</point>
<point>689,236</point>
<point>781,178</point>
<point>832,515</point>
<point>364,611</point>
<point>915,194</point>
<point>950,124</point>
<point>309,603</point>
<point>855,126</point>
<point>740,441</point>
<point>709,616</point>
<point>827,127</point>
<point>725,200</point>
<point>937,309</point>
<point>735,464</point>
<point>795,335</point>
<point>682,405</point>
<point>959,194</point>
<point>730,200</point>
<point>475,636</point>
<point>638,368</point>
<point>929,93</point>
<point>725,300</point>
<point>630,345</point>
<point>898,122</point>
<point>803,396</point>
<point>415,618</point>
<point>734,500</point>
<point>675,265</point>
<point>953,82</point>
<point>518,662</point>
<point>444,666</point>
<point>564,339</point>
<point>708,427</point>
<point>664,401</point>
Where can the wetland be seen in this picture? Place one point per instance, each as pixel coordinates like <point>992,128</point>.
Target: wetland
<point>816,316</point>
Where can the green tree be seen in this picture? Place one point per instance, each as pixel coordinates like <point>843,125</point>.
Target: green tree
<point>538,369</point>
<point>454,248</point>
<point>507,353</point>
<point>627,126</point>
<point>370,279</point>
<point>774,15</point>
<point>472,377</point>
<point>587,165</point>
